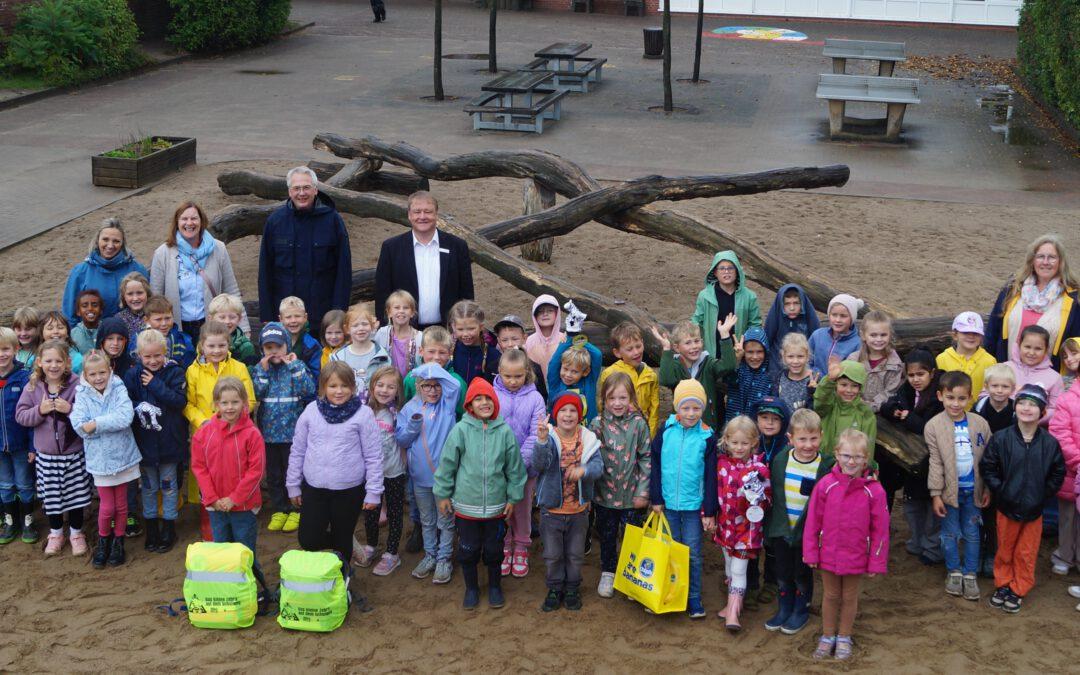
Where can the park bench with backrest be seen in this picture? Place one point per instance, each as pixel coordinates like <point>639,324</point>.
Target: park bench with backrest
<point>887,54</point>
<point>895,92</point>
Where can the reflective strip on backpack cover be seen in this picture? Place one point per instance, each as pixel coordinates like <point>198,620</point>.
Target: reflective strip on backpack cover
<point>219,587</point>
<point>301,587</point>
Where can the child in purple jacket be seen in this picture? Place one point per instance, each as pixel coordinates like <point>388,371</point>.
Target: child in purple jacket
<point>522,407</point>
<point>846,536</point>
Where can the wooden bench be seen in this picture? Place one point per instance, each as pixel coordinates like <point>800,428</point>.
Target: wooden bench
<point>577,79</point>
<point>895,92</point>
<point>887,54</point>
<point>515,117</point>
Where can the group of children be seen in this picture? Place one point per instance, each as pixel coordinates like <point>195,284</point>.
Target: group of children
<point>769,449</point>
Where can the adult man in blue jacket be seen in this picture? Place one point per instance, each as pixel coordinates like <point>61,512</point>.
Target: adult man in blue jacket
<point>305,252</point>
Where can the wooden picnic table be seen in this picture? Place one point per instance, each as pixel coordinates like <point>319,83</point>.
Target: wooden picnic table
<point>887,54</point>
<point>524,114</point>
<point>570,72</point>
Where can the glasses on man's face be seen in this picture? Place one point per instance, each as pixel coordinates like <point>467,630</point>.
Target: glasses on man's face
<point>301,189</point>
<point>850,459</point>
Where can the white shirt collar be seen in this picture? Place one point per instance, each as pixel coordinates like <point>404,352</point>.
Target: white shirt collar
<point>434,240</point>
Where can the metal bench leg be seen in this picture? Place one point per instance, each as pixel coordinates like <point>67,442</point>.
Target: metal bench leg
<point>839,66</point>
<point>836,118</point>
<point>885,68</point>
<point>894,121</point>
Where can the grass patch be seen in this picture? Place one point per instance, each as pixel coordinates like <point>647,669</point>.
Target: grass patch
<point>12,81</point>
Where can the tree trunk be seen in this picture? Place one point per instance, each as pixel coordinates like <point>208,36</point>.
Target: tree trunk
<point>438,51</point>
<point>697,40</point>
<point>492,65</point>
<point>537,199</point>
<point>394,182</point>
<point>669,106</point>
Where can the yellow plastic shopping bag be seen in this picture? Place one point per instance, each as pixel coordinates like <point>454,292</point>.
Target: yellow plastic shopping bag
<point>654,569</point>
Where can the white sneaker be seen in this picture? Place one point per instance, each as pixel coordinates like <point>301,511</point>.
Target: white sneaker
<point>1061,570</point>
<point>1074,591</point>
<point>606,589</point>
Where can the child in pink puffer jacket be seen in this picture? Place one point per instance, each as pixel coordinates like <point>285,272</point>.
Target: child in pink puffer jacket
<point>1065,427</point>
<point>846,536</point>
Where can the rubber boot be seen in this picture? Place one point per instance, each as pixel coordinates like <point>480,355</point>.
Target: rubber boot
<point>735,605</point>
<point>101,552</point>
<point>153,537</point>
<point>29,529</point>
<point>800,614</point>
<point>168,536</point>
<point>786,602</point>
<point>116,552</point>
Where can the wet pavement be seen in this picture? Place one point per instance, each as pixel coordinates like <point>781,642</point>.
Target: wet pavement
<point>350,76</point>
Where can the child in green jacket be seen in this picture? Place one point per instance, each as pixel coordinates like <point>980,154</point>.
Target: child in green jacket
<point>685,358</point>
<point>480,479</point>
<point>838,400</point>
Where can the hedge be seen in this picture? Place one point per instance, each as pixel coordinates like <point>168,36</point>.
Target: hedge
<point>1048,52</point>
<point>70,41</point>
<point>218,25</point>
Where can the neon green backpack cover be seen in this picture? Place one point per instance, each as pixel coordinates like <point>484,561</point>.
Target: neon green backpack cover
<point>313,594</point>
<point>219,587</point>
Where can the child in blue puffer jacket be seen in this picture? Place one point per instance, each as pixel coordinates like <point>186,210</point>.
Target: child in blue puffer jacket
<point>15,471</point>
<point>157,387</point>
<point>102,415</point>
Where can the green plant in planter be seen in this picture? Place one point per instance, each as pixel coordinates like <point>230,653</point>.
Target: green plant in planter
<point>140,147</point>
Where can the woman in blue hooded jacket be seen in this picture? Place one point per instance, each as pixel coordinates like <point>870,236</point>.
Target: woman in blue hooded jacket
<point>108,262</point>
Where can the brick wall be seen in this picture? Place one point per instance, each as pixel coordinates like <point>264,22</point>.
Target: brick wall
<point>8,10</point>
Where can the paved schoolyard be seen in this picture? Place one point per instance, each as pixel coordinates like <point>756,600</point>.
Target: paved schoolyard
<point>348,75</point>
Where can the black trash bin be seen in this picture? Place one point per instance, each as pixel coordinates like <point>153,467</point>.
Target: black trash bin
<point>654,43</point>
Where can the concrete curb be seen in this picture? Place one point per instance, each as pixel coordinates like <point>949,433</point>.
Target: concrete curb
<point>57,91</point>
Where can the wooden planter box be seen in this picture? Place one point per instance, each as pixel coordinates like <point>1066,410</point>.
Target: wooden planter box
<point>135,173</point>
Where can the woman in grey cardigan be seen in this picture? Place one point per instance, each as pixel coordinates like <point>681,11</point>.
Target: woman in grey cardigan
<point>192,267</point>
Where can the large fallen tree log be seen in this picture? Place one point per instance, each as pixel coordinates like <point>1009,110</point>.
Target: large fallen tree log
<point>570,180</point>
<point>394,182</point>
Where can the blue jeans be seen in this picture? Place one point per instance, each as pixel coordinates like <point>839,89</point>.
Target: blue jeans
<point>161,478</point>
<point>237,527</point>
<point>16,477</point>
<point>686,529</point>
<point>438,529</point>
<point>961,522</point>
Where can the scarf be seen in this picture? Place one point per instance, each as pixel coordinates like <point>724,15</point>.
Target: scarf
<point>336,414</point>
<point>1036,300</point>
<point>194,259</point>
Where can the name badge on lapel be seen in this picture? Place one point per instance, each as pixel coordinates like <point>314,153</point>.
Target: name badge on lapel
<point>444,250</point>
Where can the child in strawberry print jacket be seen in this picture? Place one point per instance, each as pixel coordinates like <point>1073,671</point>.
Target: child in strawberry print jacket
<point>744,491</point>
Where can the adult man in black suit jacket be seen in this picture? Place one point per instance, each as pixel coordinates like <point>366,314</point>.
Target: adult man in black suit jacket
<point>433,266</point>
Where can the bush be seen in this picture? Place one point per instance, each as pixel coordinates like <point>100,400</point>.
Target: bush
<point>69,41</point>
<point>219,25</point>
<point>1048,55</point>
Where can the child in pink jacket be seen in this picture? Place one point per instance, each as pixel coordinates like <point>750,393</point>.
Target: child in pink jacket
<point>1065,427</point>
<point>846,536</point>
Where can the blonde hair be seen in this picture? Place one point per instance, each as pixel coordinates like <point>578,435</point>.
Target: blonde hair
<point>401,297</point>
<point>794,341</point>
<point>28,317</point>
<point>685,330</point>
<point>465,309</point>
<point>110,224</point>
<point>380,373</point>
<point>612,382</point>
<point>233,384</point>
<point>1071,345</point>
<point>577,356</point>
<point>211,329</point>
<point>873,316</point>
<point>1000,371</point>
<point>341,371</point>
<point>805,419</point>
<point>91,358</point>
<point>361,310</point>
<point>516,357</point>
<point>8,338</point>
<point>436,335</point>
<point>291,302</point>
<point>853,440</point>
<point>421,195</point>
<point>1028,268</point>
<point>623,332</point>
<point>225,302</point>
<point>131,277</point>
<point>39,375</point>
<point>150,337</point>
<point>741,425</point>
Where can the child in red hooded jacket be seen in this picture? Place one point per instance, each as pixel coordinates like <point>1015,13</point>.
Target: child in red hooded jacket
<point>846,536</point>
<point>228,458</point>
